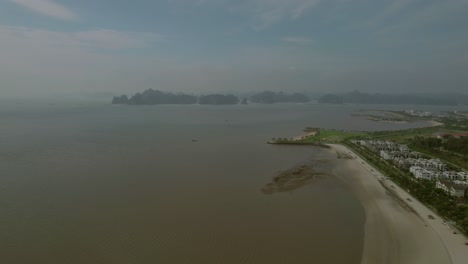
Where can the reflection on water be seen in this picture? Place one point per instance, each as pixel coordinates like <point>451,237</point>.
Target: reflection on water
<point>122,184</point>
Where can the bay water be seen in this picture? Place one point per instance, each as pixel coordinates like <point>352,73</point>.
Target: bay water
<point>101,183</point>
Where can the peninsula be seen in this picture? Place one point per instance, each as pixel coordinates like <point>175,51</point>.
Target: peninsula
<point>414,194</point>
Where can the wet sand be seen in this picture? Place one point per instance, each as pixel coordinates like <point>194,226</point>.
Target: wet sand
<point>398,230</point>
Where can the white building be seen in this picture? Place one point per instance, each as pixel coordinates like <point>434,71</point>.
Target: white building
<point>462,176</point>
<point>422,173</point>
<point>403,148</point>
<point>452,188</point>
<point>386,155</point>
<point>453,175</point>
<point>437,164</point>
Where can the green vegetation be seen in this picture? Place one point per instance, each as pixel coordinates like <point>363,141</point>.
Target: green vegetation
<point>386,116</point>
<point>330,136</point>
<point>322,136</point>
<point>386,119</point>
<point>453,151</point>
<point>455,124</point>
<point>402,136</point>
<point>156,97</point>
<point>456,145</point>
<point>290,141</point>
<point>269,97</point>
<point>218,99</point>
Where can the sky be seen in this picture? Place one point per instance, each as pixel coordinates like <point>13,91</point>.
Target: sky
<point>200,46</point>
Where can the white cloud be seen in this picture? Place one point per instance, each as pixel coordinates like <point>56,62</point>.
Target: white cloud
<point>392,9</point>
<point>37,61</point>
<point>111,39</point>
<point>302,7</point>
<point>298,40</point>
<point>100,38</point>
<point>48,8</point>
<point>263,13</point>
<point>432,13</point>
<point>269,12</point>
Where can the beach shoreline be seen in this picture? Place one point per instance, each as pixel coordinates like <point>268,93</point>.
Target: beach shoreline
<point>304,135</point>
<point>435,123</point>
<point>397,227</point>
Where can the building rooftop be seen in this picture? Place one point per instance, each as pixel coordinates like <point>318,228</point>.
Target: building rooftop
<point>453,185</point>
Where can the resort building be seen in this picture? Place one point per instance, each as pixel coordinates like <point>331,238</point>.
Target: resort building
<point>447,135</point>
<point>400,155</point>
<point>386,155</point>
<point>450,175</point>
<point>437,164</point>
<point>418,113</point>
<point>422,173</point>
<point>462,176</point>
<point>404,163</point>
<point>403,148</point>
<point>455,176</point>
<point>452,188</point>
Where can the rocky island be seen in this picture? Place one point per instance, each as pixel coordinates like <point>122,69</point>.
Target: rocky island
<point>154,97</point>
<point>269,97</point>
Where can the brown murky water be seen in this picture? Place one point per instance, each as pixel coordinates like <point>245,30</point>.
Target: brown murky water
<point>111,184</point>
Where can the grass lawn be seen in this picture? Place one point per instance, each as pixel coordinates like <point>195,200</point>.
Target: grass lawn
<point>402,136</point>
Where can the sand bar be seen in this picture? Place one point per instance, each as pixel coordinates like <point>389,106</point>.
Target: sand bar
<point>304,135</point>
<point>397,228</point>
<point>435,123</point>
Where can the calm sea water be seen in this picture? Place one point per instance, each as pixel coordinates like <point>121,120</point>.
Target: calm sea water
<point>99,183</point>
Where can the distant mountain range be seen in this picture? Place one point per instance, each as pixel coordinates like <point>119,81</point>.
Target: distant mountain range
<point>269,97</point>
<point>153,97</point>
<point>357,97</point>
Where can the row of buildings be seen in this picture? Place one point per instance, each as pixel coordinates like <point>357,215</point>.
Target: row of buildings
<point>453,182</point>
<point>454,188</point>
<point>447,135</point>
<point>418,113</point>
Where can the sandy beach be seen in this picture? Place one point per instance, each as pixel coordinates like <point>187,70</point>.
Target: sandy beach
<point>397,227</point>
<point>435,123</point>
<point>304,135</point>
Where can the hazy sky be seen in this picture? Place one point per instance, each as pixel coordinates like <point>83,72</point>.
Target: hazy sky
<point>240,45</point>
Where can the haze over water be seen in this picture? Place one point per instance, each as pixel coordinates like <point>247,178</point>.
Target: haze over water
<point>98,183</point>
